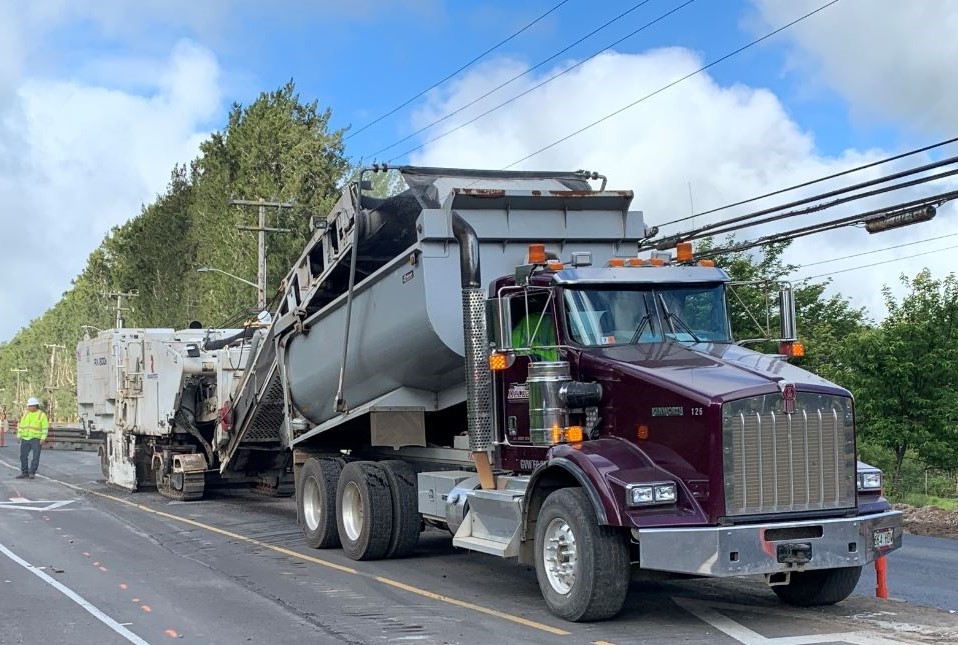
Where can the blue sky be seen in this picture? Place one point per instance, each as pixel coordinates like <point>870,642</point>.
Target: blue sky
<point>98,100</point>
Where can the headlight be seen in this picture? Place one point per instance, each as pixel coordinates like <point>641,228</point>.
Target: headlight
<point>649,494</point>
<point>869,481</point>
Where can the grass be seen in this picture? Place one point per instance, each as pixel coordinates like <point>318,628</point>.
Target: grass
<point>921,500</point>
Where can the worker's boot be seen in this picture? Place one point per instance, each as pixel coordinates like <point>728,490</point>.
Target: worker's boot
<point>32,476</point>
<point>22,476</point>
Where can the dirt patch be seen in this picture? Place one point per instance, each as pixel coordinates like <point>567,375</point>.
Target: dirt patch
<point>929,520</point>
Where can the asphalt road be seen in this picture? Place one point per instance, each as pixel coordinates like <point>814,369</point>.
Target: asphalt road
<point>82,562</point>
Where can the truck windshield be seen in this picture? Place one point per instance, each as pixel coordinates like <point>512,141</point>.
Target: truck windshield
<point>645,314</point>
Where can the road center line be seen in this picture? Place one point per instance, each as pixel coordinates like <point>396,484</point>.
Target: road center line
<point>556,631</point>
<point>75,597</point>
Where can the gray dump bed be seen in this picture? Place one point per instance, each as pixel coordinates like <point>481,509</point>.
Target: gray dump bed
<point>405,344</point>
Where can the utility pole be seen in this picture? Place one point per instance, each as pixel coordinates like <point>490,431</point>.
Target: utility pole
<point>53,378</point>
<point>261,231</point>
<point>18,394</point>
<point>120,295</point>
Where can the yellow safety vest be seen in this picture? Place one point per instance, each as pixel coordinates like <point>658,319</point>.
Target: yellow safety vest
<point>34,425</point>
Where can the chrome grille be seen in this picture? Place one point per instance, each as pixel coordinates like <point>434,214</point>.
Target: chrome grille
<point>776,462</point>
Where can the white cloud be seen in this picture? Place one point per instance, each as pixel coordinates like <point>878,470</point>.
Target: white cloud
<point>728,142</point>
<point>892,60</point>
<point>77,159</point>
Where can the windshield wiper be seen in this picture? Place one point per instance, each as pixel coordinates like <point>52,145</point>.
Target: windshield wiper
<point>675,319</point>
<point>646,321</point>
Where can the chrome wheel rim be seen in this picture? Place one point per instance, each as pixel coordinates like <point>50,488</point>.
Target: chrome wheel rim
<point>559,556</point>
<point>352,510</point>
<point>312,504</point>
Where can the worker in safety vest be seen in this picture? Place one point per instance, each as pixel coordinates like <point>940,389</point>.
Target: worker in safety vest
<point>32,430</point>
<point>538,333</point>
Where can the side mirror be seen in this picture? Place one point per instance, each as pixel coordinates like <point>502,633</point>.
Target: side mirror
<point>786,307</point>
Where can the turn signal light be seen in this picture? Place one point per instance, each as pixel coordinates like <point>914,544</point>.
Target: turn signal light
<point>498,361</point>
<point>793,349</point>
<point>537,254</point>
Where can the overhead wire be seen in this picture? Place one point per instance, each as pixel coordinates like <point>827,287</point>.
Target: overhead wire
<point>875,264</point>
<point>520,75</point>
<point>748,221</point>
<point>815,181</point>
<point>672,84</point>
<point>446,78</point>
<point>805,265</point>
<point>840,222</point>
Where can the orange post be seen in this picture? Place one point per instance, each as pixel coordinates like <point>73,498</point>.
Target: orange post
<point>881,577</point>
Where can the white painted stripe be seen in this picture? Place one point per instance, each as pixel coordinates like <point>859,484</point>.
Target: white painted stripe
<point>75,597</point>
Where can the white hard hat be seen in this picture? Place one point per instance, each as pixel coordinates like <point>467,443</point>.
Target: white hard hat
<point>33,401</point>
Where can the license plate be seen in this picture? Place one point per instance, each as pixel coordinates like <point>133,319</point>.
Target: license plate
<point>883,538</point>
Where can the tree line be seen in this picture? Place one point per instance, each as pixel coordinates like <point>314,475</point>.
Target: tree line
<point>902,370</point>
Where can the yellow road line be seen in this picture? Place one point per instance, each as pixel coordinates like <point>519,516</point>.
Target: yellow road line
<point>325,563</point>
<point>468,605</point>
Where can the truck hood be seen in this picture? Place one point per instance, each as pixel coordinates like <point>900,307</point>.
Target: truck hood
<point>717,372</point>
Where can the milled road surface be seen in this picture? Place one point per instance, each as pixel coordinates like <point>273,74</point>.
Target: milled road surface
<point>83,562</point>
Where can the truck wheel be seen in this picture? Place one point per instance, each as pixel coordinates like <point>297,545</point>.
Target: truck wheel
<point>317,502</point>
<point>364,510</point>
<point>406,520</point>
<point>583,568</point>
<point>819,587</point>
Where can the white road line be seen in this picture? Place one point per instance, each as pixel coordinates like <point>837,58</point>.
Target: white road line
<point>708,612</point>
<point>75,597</point>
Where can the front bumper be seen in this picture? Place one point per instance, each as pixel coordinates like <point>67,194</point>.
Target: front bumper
<point>770,547</point>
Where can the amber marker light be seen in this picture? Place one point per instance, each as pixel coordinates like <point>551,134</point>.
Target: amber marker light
<point>573,434</point>
<point>642,432</point>
<point>554,266</point>
<point>498,361</point>
<point>615,262</point>
<point>657,262</point>
<point>706,263</point>
<point>537,254</point>
<point>683,252</point>
<point>636,262</point>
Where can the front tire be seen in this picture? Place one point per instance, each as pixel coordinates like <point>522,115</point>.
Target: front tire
<point>317,502</point>
<point>582,568</point>
<point>364,511</point>
<point>819,587</point>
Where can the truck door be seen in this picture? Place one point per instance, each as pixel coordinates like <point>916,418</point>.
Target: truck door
<point>534,338</point>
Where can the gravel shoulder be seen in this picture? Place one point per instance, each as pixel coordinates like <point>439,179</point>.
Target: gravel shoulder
<point>930,520</point>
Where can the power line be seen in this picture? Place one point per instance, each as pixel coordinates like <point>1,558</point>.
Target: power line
<point>531,89</point>
<point>749,221</point>
<point>873,251</point>
<point>816,181</point>
<point>440,82</point>
<point>851,220</point>
<point>875,264</point>
<point>520,75</point>
<point>672,84</point>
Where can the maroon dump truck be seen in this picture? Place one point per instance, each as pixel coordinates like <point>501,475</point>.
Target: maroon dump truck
<point>484,352</point>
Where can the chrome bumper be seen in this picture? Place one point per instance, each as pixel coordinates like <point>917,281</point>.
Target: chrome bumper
<point>764,548</point>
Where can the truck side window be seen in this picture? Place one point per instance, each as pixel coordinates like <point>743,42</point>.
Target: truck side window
<point>534,328</point>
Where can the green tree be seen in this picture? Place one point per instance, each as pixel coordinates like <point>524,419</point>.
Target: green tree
<point>278,147</point>
<point>905,372</point>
